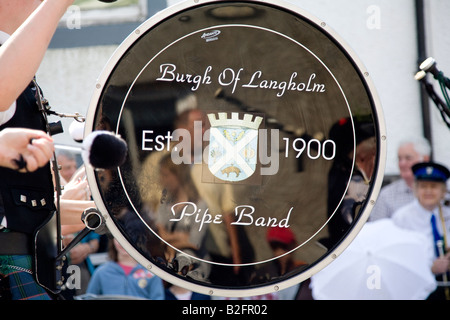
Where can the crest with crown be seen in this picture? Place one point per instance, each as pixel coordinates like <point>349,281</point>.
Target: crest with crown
<point>233,148</point>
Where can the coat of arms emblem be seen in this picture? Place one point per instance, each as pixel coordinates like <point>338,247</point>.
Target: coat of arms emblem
<point>233,148</point>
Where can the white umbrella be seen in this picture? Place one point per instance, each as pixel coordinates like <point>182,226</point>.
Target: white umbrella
<point>384,262</point>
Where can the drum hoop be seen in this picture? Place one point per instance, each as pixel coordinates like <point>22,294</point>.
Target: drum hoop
<point>372,193</point>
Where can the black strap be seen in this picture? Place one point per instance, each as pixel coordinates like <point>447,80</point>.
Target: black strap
<point>2,211</point>
<point>14,243</point>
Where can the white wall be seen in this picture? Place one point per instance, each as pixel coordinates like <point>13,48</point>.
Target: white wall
<point>67,78</point>
<point>438,46</point>
<point>389,52</point>
<point>381,33</point>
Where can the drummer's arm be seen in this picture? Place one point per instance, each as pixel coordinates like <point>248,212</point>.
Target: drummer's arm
<point>22,54</point>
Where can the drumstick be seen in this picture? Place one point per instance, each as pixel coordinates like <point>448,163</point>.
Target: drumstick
<point>440,245</point>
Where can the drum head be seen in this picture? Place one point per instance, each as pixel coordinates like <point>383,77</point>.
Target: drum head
<point>256,146</point>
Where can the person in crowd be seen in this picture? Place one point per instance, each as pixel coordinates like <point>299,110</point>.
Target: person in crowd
<point>76,188</point>
<point>225,243</point>
<point>26,185</point>
<point>344,178</point>
<point>67,163</point>
<point>123,276</point>
<point>179,192</point>
<point>173,292</point>
<point>79,256</point>
<point>400,192</point>
<point>427,215</point>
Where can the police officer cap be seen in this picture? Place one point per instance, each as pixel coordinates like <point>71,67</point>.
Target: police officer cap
<point>430,171</point>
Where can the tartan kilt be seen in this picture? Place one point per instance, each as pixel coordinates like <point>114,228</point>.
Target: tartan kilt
<point>23,286</point>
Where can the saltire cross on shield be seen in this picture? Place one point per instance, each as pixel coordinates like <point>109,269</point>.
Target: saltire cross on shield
<point>233,148</point>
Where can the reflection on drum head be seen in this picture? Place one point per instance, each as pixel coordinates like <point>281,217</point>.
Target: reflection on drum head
<point>256,146</point>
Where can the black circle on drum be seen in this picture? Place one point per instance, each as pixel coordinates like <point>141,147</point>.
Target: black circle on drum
<point>256,145</point>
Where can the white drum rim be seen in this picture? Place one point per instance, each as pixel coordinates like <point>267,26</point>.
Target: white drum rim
<point>330,256</point>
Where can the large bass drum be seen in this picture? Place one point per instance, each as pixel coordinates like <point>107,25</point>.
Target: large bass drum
<point>256,146</point>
